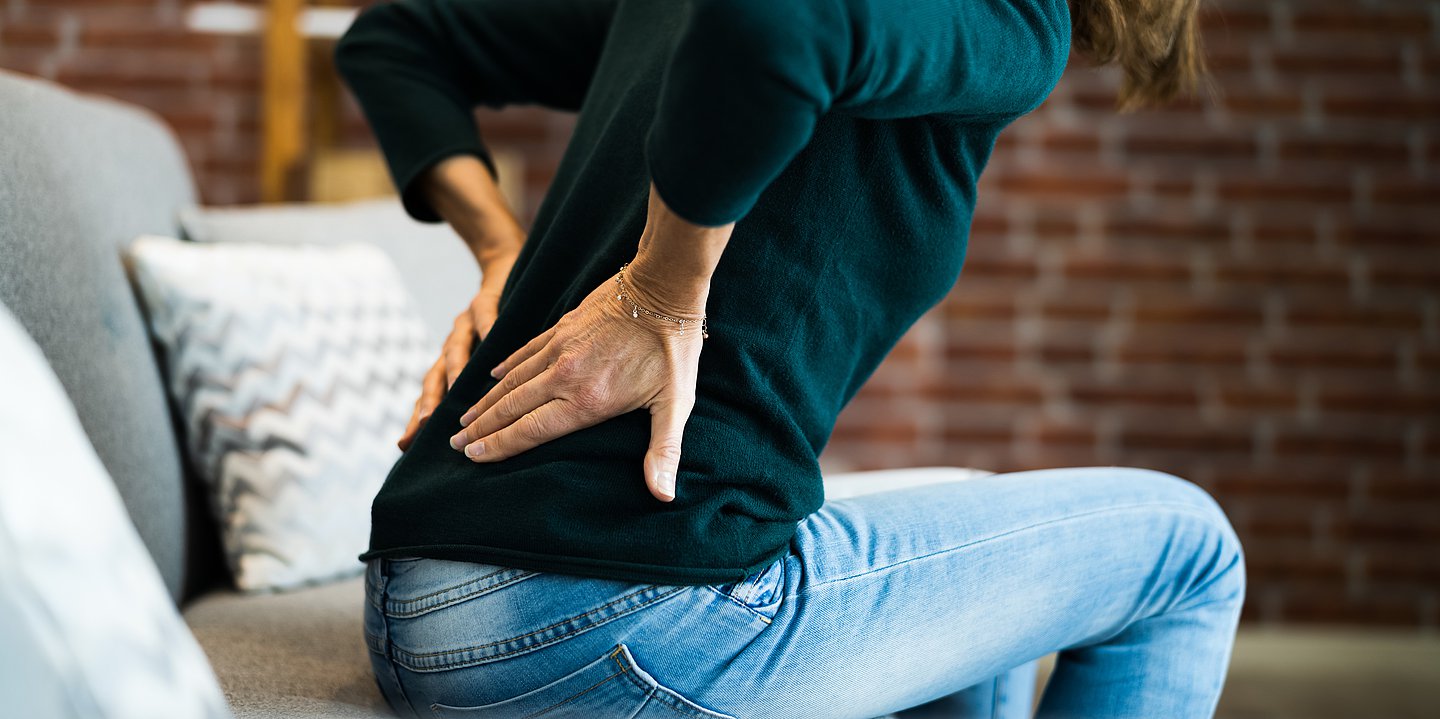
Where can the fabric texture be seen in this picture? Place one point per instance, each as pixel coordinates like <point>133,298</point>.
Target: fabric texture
<point>846,135</point>
<point>88,628</point>
<point>290,655</point>
<point>82,176</point>
<point>436,268</point>
<point>295,369</point>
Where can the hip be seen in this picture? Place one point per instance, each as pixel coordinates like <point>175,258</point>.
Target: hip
<point>456,638</point>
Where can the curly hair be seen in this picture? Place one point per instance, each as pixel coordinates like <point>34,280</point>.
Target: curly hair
<point>1155,42</point>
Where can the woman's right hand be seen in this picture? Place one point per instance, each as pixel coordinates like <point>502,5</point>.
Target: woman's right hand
<point>472,322</point>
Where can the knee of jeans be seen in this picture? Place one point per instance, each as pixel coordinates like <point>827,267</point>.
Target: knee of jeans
<point>1225,575</point>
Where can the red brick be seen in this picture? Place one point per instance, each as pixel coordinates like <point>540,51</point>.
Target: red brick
<point>1310,59</point>
<point>1407,525</point>
<point>1181,345</point>
<point>1347,151</point>
<point>1332,606</point>
<point>1335,189</point>
<point>1350,19</point>
<point>1416,567</point>
<point>1150,227</point>
<point>1207,147</point>
<point>1283,563</point>
<point>1088,183</point>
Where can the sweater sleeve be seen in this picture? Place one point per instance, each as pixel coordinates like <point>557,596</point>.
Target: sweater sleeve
<point>418,68</point>
<point>749,80</point>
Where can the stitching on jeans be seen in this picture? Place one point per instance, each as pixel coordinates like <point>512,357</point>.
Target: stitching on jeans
<point>1192,509</point>
<point>559,704</point>
<point>537,631</point>
<point>661,694</point>
<point>410,613</point>
<point>741,604</point>
<point>389,648</point>
<point>532,647</point>
<point>447,589</point>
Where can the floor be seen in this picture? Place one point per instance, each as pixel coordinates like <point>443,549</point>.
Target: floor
<point>1328,673</point>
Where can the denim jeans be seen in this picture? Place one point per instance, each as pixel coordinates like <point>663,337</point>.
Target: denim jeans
<point>936,599</point>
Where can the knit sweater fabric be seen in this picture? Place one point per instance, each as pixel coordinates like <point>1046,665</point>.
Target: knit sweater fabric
<point>844,138</point>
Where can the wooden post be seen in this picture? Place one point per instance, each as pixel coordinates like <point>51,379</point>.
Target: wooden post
<point>282,99</point>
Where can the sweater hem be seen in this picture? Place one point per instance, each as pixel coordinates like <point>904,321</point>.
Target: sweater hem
<point>580,566</point>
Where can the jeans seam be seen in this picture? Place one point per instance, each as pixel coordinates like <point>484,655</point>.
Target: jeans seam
<point>740,604</point>
<point>389,644</point>
<point>449,589</point>
<point>1191,509</point>
<point>426,609</point>
<point>537,645</point>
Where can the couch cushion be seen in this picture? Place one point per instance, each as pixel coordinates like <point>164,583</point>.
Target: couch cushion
<point>294,654</point>
<point>87,629</point>
<point>83,175</point>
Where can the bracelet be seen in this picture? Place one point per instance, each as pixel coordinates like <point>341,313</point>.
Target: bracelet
<point>636,309</point>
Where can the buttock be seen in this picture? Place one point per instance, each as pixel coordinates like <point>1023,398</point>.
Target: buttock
<point>483,640</point>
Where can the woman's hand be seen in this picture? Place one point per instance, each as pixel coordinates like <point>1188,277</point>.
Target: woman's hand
<point>473,322</point>
<point>595,363</point>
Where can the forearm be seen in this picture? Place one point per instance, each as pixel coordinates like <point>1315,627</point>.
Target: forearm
<point>676,259</point>
<point>465,194</point>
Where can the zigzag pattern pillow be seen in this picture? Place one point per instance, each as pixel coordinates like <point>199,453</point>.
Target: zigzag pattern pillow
<point>295,369</point>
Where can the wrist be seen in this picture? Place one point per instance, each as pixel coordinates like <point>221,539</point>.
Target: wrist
<point>665,291</point>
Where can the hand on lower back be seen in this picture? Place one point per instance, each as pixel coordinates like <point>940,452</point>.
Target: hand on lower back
<point>473,322</point>
<point>597,362</point>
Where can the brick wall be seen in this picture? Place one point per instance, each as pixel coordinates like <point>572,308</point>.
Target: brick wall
<point>1244,292</point>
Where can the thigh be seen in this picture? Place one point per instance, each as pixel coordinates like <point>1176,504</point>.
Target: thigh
<point>900,597</point>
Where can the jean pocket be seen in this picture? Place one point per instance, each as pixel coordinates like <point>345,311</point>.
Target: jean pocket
<point>415,587</point>
<point>760,593</point>
<point>612,685</point>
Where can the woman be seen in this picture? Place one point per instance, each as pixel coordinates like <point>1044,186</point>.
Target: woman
<point>593,517</point>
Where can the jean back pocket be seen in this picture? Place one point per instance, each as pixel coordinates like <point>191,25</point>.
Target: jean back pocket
<point>612,685</point>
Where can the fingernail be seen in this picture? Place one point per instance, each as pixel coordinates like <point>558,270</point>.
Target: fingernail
<point>466,419</point>
<point>475,448</point>
<point>666,482</point>
<point>495,372</point>
<point>457,441</point>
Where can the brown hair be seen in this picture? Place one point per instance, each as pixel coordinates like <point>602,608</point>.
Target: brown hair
<point>1155,42</point>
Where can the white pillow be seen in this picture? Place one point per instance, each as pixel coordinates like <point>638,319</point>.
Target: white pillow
<point>294,369</point>
<point>87,628</point>
<point>433,262</point>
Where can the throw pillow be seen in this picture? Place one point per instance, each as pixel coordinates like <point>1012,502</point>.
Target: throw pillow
<point>433,262</point>
<point>88,627</point>
<point>294,369</point>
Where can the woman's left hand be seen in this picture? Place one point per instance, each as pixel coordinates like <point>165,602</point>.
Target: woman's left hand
<point>595,363</point>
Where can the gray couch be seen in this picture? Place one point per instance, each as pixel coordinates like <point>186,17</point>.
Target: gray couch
<point>81,176</point>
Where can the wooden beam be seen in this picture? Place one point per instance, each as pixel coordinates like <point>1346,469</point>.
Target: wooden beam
<point>282,100</point>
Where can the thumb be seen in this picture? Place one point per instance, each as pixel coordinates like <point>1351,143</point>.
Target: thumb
<point>662,461</point>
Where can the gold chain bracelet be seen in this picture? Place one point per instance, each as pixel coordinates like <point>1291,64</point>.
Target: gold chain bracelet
<point>636,309</point>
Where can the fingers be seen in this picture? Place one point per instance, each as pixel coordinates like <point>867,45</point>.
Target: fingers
<point>432,389</point>
<point>662,460</point>
<point>456,352</point>
<point>518,392</point>
<point>555,418</point>
<point>520,355</point>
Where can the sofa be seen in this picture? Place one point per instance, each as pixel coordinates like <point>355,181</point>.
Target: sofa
<point>80,177</point>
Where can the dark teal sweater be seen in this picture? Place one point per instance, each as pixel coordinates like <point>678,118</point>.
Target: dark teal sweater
<point>844,136</point>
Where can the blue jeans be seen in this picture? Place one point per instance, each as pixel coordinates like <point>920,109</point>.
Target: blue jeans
<point>935,598</point>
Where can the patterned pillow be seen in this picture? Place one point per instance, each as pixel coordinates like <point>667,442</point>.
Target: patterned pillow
<point>87,628</point>
<point>294,368</point>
